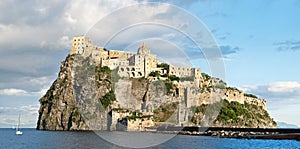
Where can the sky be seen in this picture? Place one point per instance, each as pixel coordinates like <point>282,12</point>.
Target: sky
<point>259,42</point>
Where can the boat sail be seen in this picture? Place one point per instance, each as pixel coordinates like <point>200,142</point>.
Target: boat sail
<point>18,132</point>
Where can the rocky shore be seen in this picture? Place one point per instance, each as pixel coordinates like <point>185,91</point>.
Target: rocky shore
<point>229,134</point>
<point>240,133</point>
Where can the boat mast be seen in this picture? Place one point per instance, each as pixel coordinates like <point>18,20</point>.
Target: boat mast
<point>18,125</point>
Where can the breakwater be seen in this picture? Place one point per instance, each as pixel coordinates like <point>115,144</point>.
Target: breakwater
<point>227,132</point>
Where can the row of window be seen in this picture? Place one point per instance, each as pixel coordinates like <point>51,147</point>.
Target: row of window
<point>79,39</point>
<point>129,69</point>
<point>78,44</point>
<point>81,47</point>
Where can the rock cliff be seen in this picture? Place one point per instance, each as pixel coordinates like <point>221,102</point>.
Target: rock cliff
<point>78,98</point>
<point>86,96</point>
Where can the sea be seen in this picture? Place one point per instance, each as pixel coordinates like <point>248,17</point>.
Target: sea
<point>34,139</point>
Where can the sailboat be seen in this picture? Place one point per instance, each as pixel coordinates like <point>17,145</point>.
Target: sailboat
<point>18,132</point>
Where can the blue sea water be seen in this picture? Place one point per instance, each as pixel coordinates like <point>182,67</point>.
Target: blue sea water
<point>34,139</point>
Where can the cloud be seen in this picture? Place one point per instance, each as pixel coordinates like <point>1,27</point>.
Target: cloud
<point>285,87</point>
<point>36,36</point>
<point>289,45</point>
<point>9,115</point>
<point>13,91</point>
<point>185,4</point>
<point>20,92</point>
<point>289,90</point>
<point>227,49</point>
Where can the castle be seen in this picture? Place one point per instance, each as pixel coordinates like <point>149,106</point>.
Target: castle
<point>130,65</point>
<point>141,64</point>
<point>100,89</point>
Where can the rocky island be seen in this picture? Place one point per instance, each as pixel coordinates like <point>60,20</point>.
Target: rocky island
<point>101,89</point>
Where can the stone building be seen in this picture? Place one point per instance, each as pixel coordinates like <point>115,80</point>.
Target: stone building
<point>128,64</point>
<point>80,44</point>
<point>194,88</point>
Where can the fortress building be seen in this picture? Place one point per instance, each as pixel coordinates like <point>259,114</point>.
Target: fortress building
<point>142,63</point>
<point>129,64</point>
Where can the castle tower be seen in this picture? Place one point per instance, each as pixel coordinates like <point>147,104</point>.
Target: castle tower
<point>79,44</point>
<point>144,50</point>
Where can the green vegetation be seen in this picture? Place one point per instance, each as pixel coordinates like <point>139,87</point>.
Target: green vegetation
<point>164,112</point>
<point>102,72</point>
<point>142,79</point>
<point>220,86</point>
<point>233,114</point>
<point>164,75</point>
<point>108,98</point>
<point>232,111</point>
<point>205,76</point>
<point>163,65</point>
<point>76,113</point>
<point>154,74</point>
<point>190,78</point>
<point>135,115</point>
<point>231,88</point>
<point>174,78</point>
<point>169,86</point>
<point>250,95</point>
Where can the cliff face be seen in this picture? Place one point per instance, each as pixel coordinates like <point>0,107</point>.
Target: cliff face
<point>86,96</point>
<point>58,109</point>
<point>75,100</point>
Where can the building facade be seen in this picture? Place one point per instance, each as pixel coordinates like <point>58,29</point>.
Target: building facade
<point>128,64</point>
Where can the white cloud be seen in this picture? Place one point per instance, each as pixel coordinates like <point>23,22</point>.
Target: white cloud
<point>40,81</point>
<point>13,91</point>
<point>29,115</point>
<point>249,87</point>
<point>30,108</point>
<point>284,87</point>
<point>288,89</point>
<point>20,92</point>
<point>40,93</point>
<point>70,19</point>
<point>82,15</point>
